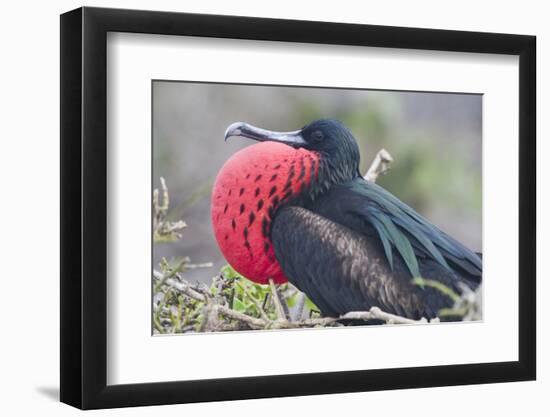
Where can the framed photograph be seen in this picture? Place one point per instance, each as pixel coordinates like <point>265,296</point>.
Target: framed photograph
<point>256,208</point>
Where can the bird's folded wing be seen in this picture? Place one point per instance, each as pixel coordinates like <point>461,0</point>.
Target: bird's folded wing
<point>342,270</point>
<point>363,206</point>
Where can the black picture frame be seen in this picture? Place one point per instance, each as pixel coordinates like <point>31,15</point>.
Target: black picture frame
<point>84,207</point>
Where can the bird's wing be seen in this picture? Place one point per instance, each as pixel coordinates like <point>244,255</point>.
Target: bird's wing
<point>343,270</point>
<point>364,206</point>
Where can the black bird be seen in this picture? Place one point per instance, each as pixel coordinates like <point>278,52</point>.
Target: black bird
<point>344,241</point>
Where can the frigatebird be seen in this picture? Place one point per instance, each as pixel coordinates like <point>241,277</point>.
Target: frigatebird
<point>295,207</point>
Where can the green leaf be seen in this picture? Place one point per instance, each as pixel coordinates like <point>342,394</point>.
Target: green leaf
<point>422,282</point>
<point>228,272</point>
<point>311,305</point>
<point>238,305</point>
<point>291,301</point>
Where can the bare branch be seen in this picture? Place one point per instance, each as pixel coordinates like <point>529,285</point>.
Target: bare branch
<point>299,308</point>
<point>164,230</point>
<point>165,197</point>
<point>279,309</point>
<point>254,323</point>
<point>181,286</point>
<point>380,165</point>
<point>375,313</point>
<point>201,265</point>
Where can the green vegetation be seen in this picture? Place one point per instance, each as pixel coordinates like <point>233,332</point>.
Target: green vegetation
<point>180,307</point>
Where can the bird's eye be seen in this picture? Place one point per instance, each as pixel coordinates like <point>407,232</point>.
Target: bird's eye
<point>317,136</point>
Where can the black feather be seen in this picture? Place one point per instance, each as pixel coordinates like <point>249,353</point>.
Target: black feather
<point>347,271</point>
<point>364,206</point>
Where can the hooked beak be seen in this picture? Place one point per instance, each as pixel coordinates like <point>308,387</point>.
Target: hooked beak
<point>245,130</point>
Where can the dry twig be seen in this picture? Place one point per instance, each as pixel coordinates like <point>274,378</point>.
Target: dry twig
<point>164,230</point>
<point>380,165</point>
<point>277,300</point>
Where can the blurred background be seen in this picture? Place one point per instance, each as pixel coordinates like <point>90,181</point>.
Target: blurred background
<point>434,139</point>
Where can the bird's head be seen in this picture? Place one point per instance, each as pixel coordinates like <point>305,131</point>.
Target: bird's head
<point>285,168</point>
<point>329,138</point>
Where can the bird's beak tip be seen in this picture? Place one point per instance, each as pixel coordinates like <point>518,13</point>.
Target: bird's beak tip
<point>234,129</point>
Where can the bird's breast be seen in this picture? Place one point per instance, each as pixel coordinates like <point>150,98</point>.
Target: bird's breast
<point>248,190</point>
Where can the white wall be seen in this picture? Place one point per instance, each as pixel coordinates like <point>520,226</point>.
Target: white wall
<point>29,99</point>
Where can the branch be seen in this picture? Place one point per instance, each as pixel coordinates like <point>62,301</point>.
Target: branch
<point>164,230</point>
<point>379,166</point>
<point>376,314</point>
<point>299,308</point>
<point>253,322</point>
<point>181,286</point>
<point>279,309</point>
